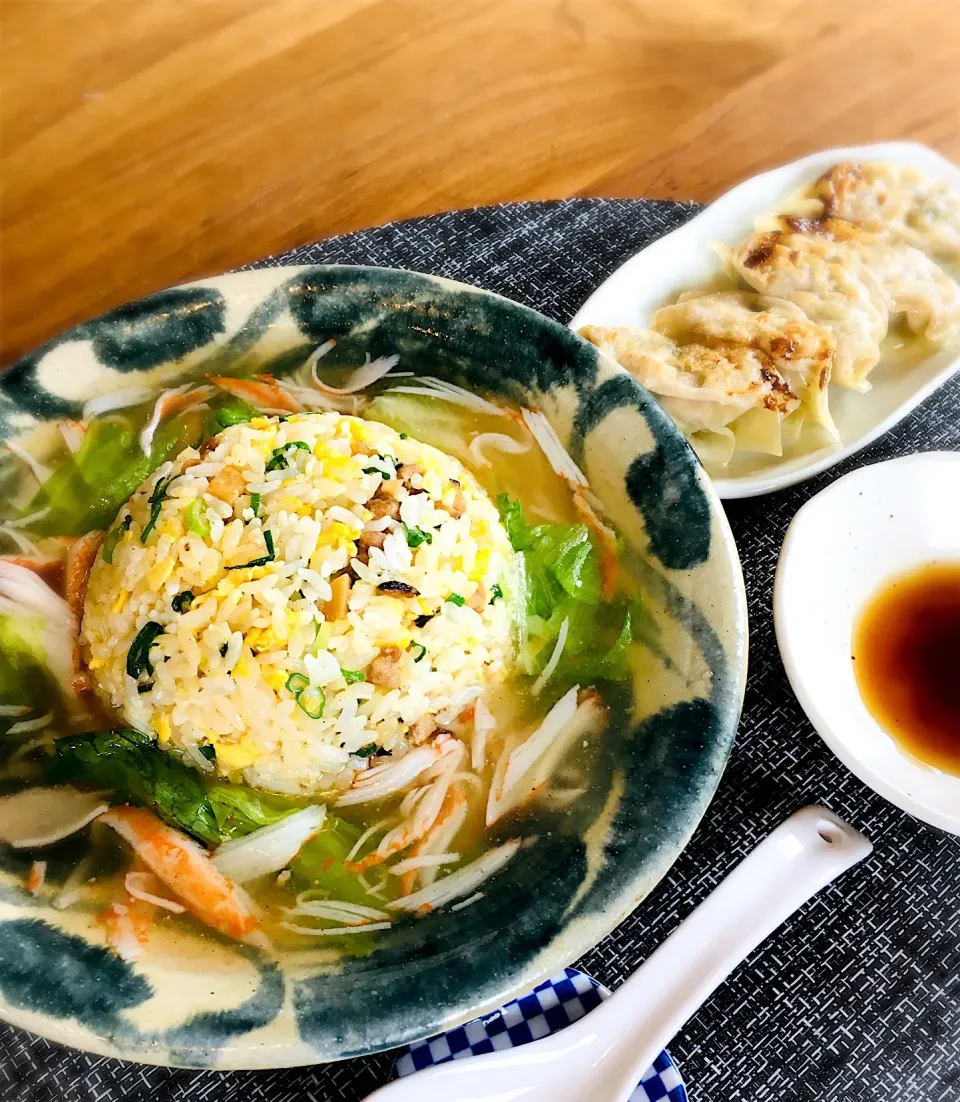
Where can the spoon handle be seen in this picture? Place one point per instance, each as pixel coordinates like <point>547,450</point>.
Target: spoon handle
<point>789,866</point>
<point>604,1054</point>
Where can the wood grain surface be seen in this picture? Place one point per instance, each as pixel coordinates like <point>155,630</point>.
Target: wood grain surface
<point>148,142</point>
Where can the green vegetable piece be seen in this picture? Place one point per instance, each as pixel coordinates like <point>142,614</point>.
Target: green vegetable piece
<point>456,599</point>
<point>311,701</point>
<point>416,536</point>
<point>614,662</point>
<point>138,657</point>
<point>403,436</point>
<point>113,537</point>
<point>87,490</point>
<point>209,751</point>
<point>182,601</point>
<point>297,682</point>
<point>495,593</point>
<point>366,751</point>
<point>268,540</point>
<point>195,519</point>
<point>421,648</point>
<point>255,504</point>
<point>239,810</point>
<point>353,676</point>
<point>511,514</point>
<point>385,475</point>
<point>564,551</point>
<point>156,504</point>
<point>132,765</point>
<point>24,676</point>
<point>321,863</point>
<point>569,553</point>
<point>283,457</point>
<point>230,411</point>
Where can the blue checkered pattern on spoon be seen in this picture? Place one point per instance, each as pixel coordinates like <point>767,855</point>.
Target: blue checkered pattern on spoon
<point>553,1005</point>
<point>604,1054</point>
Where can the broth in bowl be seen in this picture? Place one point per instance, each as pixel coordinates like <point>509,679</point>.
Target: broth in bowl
<point>304,661</point>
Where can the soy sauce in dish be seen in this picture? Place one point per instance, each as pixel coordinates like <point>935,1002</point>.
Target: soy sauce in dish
<point>906,656</point>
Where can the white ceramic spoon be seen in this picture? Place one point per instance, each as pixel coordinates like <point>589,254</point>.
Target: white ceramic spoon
<point>604,1054</point>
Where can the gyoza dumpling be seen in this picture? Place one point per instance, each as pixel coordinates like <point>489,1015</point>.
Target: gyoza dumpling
<point>703,389</point>
<point>824,277</point>
<point>851,282</point>
<point>897,200</point>
<point>916,287</point>
<point>798,348</point>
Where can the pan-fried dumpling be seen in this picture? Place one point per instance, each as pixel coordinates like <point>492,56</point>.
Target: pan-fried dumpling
<point>703,389</point>
<point>800,350</point>
<point>822,276</point>
<point>894,200</point>
<point>916,287</point>
<point>851,282</point>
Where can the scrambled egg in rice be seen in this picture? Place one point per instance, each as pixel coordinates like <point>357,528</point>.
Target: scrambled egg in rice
<point>297,596</point>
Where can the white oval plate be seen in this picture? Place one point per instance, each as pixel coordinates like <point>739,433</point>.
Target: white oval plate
<point>683,261</point>
<point>865,528</point>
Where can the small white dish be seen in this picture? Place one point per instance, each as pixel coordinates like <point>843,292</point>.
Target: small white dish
<point>865,528</point>
<point>683,261</point>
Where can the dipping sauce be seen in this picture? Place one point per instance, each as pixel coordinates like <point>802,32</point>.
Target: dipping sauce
<point>906,656</point>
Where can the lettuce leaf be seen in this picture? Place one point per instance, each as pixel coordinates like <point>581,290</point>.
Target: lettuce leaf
<point>568,552</point>
<point>320,864</point>
<point>229,410</point>
<point>86,491</point>
<point>557,578</point>
<point>23,674</point>
<point>511,515</point>
<point>239,810</point>
<point>133,766</point>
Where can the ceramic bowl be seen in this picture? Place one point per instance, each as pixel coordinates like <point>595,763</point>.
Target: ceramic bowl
<point>198,1001</point>
<point>840,548</point>
<point>684,260</point>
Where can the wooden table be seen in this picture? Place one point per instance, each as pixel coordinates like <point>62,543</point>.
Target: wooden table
<point>147,142</point>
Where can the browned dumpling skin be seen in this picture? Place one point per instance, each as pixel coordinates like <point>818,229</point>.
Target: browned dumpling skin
<point>897,201</point>
<point>851,282</point>
<point>800,350</point>
<point>702,388</point>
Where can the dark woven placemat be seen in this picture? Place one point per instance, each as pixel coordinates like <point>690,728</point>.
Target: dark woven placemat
<point>857,998</point>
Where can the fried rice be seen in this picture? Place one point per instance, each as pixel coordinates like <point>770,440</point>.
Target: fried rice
<point>298,595</point>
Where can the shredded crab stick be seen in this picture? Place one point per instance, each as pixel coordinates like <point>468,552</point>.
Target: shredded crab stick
<point>178,400</point>
<point>422,806</point>
<point>80,559</point>
<point>36,877</point>
<point>187,870</point>
<point>436,841</point>
<point>127,923</point>
<point>607,540</point>
<point>365,375</point>
<point>72,433</point>
<point>264,392</point>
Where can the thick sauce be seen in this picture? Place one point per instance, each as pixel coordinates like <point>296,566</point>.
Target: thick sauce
<point>906,655</point>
